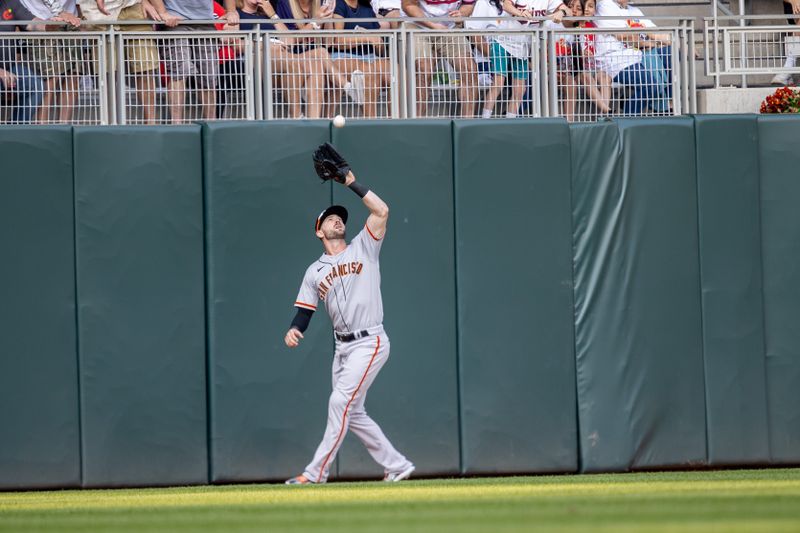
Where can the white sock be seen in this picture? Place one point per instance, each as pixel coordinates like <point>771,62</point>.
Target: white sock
<point>789,62</point>
<point>487,113</point>
<point>511,115</point>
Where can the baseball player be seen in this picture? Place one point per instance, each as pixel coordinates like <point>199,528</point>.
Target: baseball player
<point>347,279</point>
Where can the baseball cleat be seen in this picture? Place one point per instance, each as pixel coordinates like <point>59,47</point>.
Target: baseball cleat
<point>298,480</point>
<point>392,477</point>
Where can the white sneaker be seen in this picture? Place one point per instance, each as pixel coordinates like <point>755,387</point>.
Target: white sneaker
<point>357,83</point>
<point>783,78</point>
<point>392,477</point>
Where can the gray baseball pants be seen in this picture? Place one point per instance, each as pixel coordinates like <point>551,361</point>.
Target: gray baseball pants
<point>355,366</point>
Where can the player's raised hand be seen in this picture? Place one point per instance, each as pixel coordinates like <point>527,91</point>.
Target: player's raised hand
<point>293,337</point>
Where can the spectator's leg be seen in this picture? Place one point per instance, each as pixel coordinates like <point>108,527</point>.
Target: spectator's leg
<point>315,80</point>
<point>643,85</point>
<point>569,93</point>
<point>177,95</point>
<point>425,66</point>
<point>597,91</point>
<point>206,61</point>
<point>518,86</point>
<point>29,93</point>
<point>68,97</point>
<point>292,73</point>
<point>48,100</point>
<point>665,54</point>
<point>464,64</point>
<point>425,70</point>
<point>145,83</point>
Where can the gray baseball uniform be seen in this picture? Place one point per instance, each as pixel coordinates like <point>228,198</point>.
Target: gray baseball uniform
<point>350,285</point>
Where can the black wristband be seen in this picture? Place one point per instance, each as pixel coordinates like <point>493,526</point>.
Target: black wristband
<point>359,189</point>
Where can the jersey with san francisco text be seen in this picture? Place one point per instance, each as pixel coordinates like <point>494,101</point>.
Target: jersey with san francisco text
<point>349,283</point>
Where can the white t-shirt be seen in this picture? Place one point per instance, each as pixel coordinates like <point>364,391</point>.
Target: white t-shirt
<point>377,5</point>
<point>441,8</point>
<point>611,56</point>
<point>349,283</point>
<point>517,45</point>
<point>47,9</point>
<point>609,8</point>
<point>538,8</point>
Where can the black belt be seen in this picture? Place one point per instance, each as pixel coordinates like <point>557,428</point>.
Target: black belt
<point>349,337</point>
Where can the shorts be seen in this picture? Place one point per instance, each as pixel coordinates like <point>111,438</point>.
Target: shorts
<point>58,57</point>
<point>502,60</point>
<point>571,62</point>
<point>370,58</point>
<point>441,46</point>
<point>193,56</point>
<point>141,55</point>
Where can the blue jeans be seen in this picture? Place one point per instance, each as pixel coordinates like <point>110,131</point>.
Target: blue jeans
<point>27,93</point>
<point>644,88</point>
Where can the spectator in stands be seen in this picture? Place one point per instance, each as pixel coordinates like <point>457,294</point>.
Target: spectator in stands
<point>594,81</point>
<point>535,10</point>
<point>453,48</point>
<point>569,61</point>
<point>59,61</point>
<point>313,52</point>
<point>656,48</point>
<point>361,54</point>
<point>624,66</point>
<point>508,55</point>
<point>22,87</point>
<point>790,7</point>
<point>185,57</point>
<point>141,55</point>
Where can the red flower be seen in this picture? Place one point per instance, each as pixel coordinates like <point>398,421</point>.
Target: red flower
<point>783,100</point>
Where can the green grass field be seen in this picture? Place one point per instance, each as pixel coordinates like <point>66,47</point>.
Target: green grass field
<point>736,500</point>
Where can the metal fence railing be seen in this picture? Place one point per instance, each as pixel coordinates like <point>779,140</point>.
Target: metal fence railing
<point>745,46</point>
<point>133,77</point>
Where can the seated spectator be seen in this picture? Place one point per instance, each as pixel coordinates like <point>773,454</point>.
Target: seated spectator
<point>508,55</point>
<point>595,82</point>
<point>141,55</point>
<point>452,48</point>
<point>196,57</point>
<point>313,51</point>
<point>790,7</point>
<point>20,85</point>
<point>60,61</point>
<point>655,47</point>
<point>361,54</point>
<point>624,66</point>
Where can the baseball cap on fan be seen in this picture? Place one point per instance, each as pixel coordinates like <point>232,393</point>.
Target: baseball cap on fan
<point>332,210</point>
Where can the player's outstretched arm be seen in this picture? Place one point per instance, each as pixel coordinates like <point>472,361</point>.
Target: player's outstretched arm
<point>378,210</point>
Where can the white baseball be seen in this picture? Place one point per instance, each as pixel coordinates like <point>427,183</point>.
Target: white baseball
<point>338,121</point>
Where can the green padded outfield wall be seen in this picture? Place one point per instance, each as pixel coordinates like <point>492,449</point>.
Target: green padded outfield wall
<point>637,295</point>
<point>515,323</point>
<point>415,398</point>
<point>40,444</point>
<point>139,248</point>
<point>779,151</point>
<point>268,403</point>
<point>730,274</point>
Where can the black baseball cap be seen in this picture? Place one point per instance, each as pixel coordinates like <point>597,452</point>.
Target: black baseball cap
<point>332,210</point>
